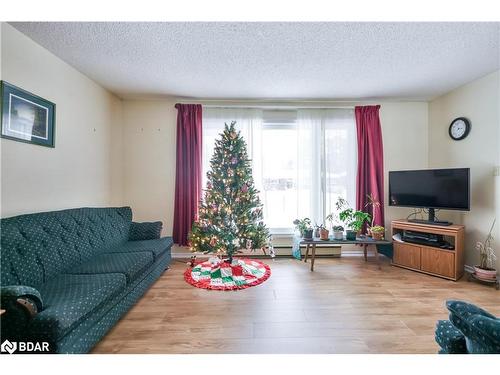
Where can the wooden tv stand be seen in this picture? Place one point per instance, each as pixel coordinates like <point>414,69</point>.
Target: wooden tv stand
<point>445,263</point>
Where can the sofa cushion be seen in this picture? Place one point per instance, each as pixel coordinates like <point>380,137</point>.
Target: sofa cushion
<point>130,264</point>
<point>145,231</point>
<point>157,247</point>
<point>68,299</point>
<point>450,339</point>
<point>37,247</point>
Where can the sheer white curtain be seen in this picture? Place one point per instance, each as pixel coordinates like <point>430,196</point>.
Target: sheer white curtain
<point>309,164</point>
<point>340,157</point>
<point>327,160</point>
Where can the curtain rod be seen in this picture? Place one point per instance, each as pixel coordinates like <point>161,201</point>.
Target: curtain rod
<point>268,106</point>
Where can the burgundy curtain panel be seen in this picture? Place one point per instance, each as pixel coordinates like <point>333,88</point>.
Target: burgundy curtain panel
<point>188,170</point>
<point>370,176</point>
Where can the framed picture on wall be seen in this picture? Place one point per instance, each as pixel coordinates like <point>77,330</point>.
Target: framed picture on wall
<point>26,117</point>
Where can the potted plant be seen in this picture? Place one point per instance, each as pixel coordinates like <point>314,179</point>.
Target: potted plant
<point>353,219</point>
<point>377,232</point>
<point>316,230</point>
<point>305,228</point>
<point>486,268</point>
<point>373,203</point>
<point>338,232</point>
<point>323,233</point>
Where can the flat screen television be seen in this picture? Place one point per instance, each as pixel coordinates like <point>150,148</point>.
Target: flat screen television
<point>432,189</point>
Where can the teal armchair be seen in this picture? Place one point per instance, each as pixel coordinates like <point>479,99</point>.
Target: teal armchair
<point>469,330</point>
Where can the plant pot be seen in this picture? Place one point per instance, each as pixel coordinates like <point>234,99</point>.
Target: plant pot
<point>350,235</point>
<point>338,235</point>
<point>308,234</point>
<point>316,232</point>
<point>323,234</point>
<point>483,273</point>
<point>378,236</point>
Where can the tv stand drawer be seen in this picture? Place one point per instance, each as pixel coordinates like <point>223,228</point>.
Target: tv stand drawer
<point>407,255</point>
<point>439,262</point>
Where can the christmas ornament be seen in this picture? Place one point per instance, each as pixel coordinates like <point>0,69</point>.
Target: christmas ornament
<point>244,188</point>
<point>192,261</point>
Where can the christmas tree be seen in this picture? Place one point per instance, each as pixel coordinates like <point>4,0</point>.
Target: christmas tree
<point>230,215</point>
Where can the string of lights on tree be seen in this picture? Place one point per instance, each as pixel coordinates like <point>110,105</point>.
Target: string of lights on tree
<point>230,214</point>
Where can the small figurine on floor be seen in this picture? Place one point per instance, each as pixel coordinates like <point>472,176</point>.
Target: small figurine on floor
<point>192,261</point>
<point>270,247</point>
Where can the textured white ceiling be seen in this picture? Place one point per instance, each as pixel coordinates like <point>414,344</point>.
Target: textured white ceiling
<point>275,60</point>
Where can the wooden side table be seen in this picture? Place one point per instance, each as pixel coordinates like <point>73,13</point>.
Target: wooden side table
<point>363,241</point>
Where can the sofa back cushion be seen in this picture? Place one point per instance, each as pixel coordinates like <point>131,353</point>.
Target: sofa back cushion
<point>37,247</point>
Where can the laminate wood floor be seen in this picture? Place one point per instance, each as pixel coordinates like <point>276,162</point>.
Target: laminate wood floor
<point>344,306</point>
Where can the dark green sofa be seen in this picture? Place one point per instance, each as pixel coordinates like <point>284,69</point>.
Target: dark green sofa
<point>68,276</point>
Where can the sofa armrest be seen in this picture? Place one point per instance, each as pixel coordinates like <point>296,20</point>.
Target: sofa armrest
<point>477,325</point>
<point>145,231</point>
<point>18,294</point>
<point>21,304</point>
<point>486,332</point>
<point>464,310</point>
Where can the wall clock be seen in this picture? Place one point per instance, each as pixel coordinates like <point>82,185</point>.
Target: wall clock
<point>459,128</point>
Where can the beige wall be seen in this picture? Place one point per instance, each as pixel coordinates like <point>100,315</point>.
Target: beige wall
<point>149,160</point>
<point>478,101</point>
<point>149,139</point>
<point>84,168</point>
<point>404,131</point>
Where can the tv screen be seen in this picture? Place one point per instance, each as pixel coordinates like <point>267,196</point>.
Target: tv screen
<point>430,188</point>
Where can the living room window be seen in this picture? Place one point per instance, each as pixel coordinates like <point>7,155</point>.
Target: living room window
<point>302,159</point>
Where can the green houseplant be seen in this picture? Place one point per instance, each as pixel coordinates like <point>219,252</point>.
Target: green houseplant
<point>353,219</point>
<point>305,228</point>
<point>323,232</point>
<point>377,232</point>
<point>338,232</point>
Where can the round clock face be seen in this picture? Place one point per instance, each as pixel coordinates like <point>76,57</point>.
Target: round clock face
<point>459,128</point>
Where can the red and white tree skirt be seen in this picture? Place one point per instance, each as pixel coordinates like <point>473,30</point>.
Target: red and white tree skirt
<point>219,275</point>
